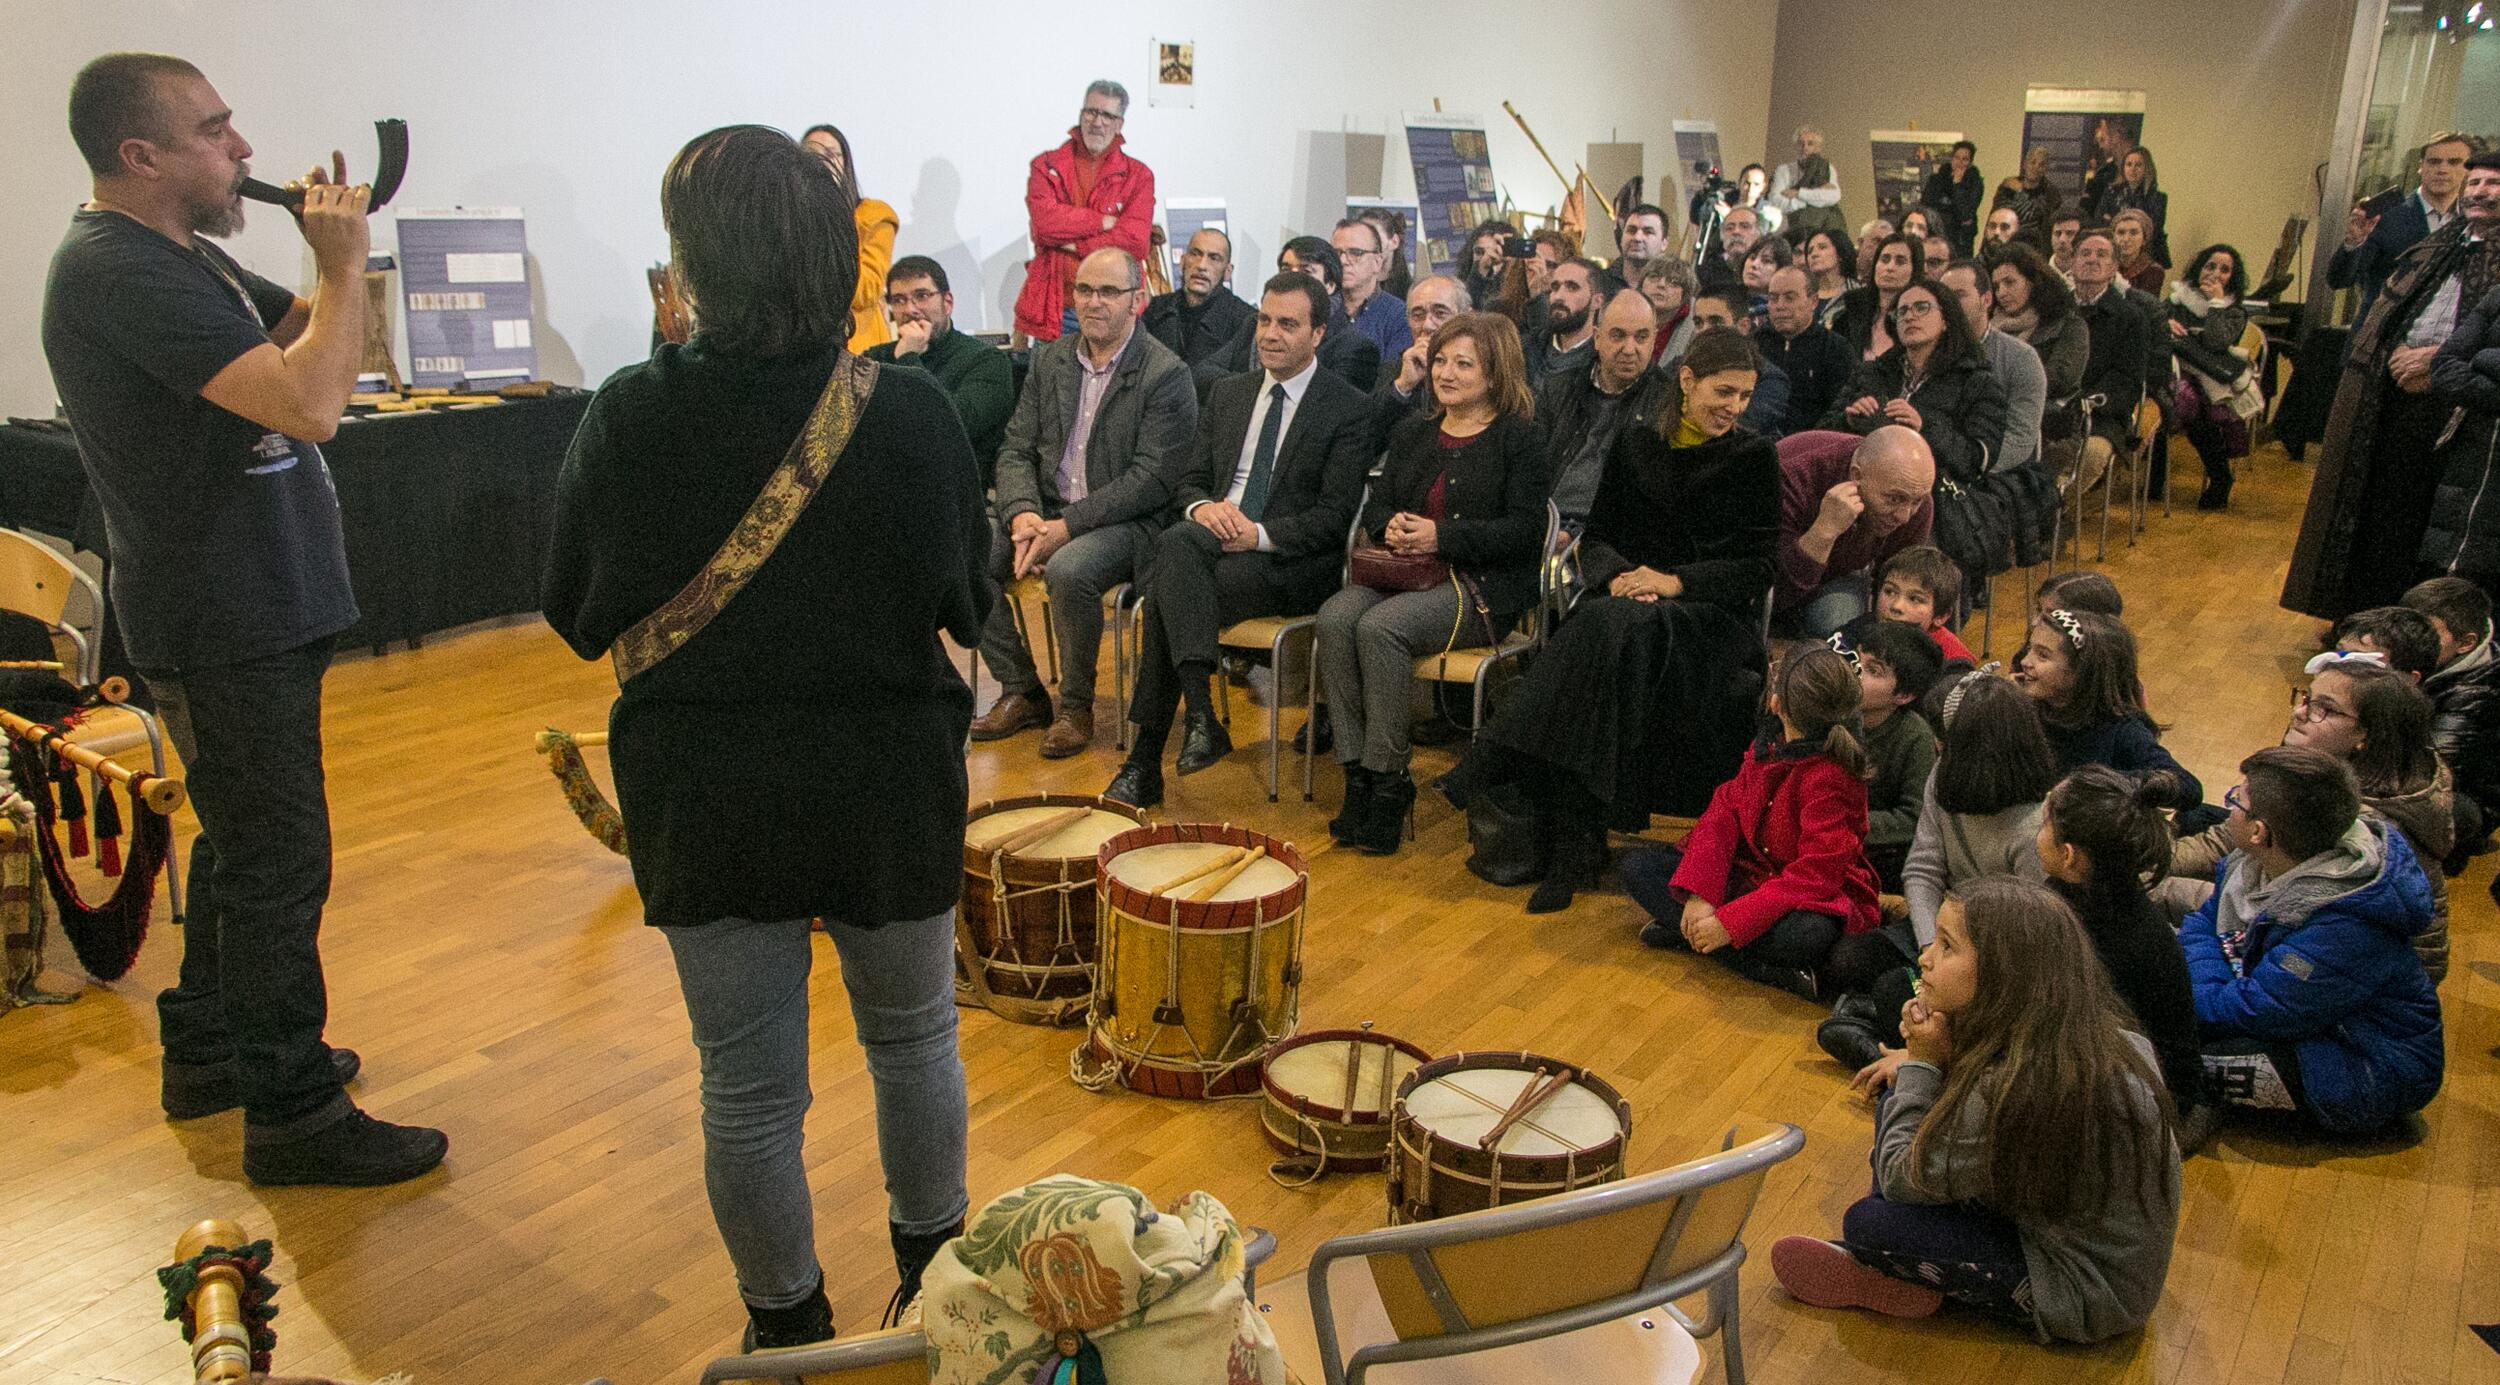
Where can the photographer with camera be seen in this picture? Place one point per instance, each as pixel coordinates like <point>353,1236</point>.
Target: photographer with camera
<point>2385,226</point>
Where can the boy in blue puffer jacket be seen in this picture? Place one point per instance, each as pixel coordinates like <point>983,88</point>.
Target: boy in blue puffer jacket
<point>2308,994</point>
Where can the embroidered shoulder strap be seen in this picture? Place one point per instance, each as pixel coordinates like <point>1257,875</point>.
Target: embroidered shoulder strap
<point>760,530</point>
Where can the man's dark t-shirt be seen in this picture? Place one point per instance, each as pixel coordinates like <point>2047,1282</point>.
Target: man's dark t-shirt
<point>224,536</point>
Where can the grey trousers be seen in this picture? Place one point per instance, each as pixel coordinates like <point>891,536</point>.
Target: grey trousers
<point>1077,575</point>
<point>1368,644</point>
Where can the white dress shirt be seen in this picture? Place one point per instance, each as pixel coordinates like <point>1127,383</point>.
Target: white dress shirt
<point>1295,388</point>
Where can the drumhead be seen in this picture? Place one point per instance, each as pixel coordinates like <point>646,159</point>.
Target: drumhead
<point>1147,867</point>
<point>1317,1071</point>
<point>1083,837</point>
<point>1461,1106</point>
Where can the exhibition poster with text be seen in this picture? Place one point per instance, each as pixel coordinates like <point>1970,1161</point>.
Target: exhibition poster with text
<point>2082,128</point>
<point>1453,183</point>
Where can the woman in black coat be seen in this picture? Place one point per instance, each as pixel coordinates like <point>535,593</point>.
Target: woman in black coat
<point>1464,482</point>
<point>1645,698</point>
<point>2206,320</point>
<point>2463,536</point>
<point>1865,312</point>
<point>1936,381</point>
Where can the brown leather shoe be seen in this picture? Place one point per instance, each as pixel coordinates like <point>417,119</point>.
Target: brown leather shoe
<point>1008,715</point>
<point>1070,734</point>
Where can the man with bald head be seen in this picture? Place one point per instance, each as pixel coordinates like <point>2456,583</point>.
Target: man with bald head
<point>1085,483</point>
<point>1816,359</point>
<point>1202,314</point>
<point>1846,505</point>
<point>1584,410</point>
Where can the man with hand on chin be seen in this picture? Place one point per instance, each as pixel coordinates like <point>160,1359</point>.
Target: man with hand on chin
<point>974,373</point>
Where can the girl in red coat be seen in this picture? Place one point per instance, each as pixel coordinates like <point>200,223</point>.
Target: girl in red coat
<point>1775,870</point>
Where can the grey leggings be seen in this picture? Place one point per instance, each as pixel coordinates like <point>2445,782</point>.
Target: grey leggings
<point>745,985</point>
<point>1368,644</point>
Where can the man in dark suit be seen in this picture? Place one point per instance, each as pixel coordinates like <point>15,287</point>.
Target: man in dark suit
<point>1084,484</point>
<point>2117,367</point>
<point>1265,505</point>
<point>2372,243</point>
<point>1343,350</point>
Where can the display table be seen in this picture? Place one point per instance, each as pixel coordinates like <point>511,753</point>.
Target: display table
<point>447,512</point>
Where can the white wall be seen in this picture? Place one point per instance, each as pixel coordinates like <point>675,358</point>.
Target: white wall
<point>571,110</point>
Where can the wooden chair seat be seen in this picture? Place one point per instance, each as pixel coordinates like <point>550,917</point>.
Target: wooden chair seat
<point>1644,1348</point>
<point>1461,665</point>
<point>1260,632</point>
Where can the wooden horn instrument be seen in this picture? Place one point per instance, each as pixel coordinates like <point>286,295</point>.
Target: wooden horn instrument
<point>221,1341</point>
<point>161,794</point>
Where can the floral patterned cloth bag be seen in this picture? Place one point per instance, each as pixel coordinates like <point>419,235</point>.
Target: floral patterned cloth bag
<point>1068,1281</point>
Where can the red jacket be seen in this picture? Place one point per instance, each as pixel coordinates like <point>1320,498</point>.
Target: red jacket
<point>1065,231</point>
<point>1787,833</point>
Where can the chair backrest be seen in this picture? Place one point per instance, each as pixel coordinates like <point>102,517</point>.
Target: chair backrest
<point>38,580</point>
<point>1560,1262</point>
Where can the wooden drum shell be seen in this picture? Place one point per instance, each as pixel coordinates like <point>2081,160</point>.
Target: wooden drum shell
<point>1432,1175</point>
<point>1314,1123</point>
<point>1036,946</point>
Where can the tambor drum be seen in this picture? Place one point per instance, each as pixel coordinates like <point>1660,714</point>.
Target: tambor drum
<point>1328,1095</point>
<point>1025,936</point>
<point>1201,959</point>
<point>1478,1130</point>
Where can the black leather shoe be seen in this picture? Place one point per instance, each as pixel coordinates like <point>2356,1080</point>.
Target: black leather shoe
<point>1358,802</point>
<point>1317,724</point>
<point>355,1151</point>
<point>1138,784</point>
<point>1382,828</point>
<point>1579,860</point>
<point>808,1320</point>
<point>912,1255</point>
<point>193,1090</point>
<point>1203,742</point>
<point>1850,1042</point>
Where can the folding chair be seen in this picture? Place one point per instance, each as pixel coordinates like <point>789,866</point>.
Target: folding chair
<point>1475,667</point>
<point>1276,635</point>
<point>1577,1287</point>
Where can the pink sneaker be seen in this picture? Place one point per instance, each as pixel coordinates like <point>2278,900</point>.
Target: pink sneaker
<point>1828,1276</point>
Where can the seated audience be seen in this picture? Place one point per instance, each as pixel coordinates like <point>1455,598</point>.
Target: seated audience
<point>1583,412</point>
<point>1463,483</point>
<point>1870,236</point>
<point>1923,586</point>
<point>1645,697</point>
<point>2462,537</point>
<point>1266,499</point>
<point>2308,993</point>
<point>1847,504</point>
<point>1640,237</point>
<point>1564,340</point>
<point>2032,199</point>
<point>1829,261</point>
<point>2079,671</point>
<point>1865,313</point>
<point>1377,315</point>
<point>1935,382</point>
<point>2002,228</point>
<point>2137,191</point>
<point>2205,320</point>
<point>2015,365</point>
<point>1723,267</point>
<point>975,374</point>
<point>1774,871</point>
<point>1979,815</point>
<point>1670,284</point>
<point>2115,357</point>
<point>1433,301</point>
<point>2465,696</point>
<point>1897,663</point>
<point>2132,231</point>
<point>1398,278</point>
<point>2063,229</point>
<point>2033,305</point>
<point>1202,314</point>
<point>1768,256</point>
<point>1768,410</point>
<point>2375,720</point>
<point>1084,485</point>
<point>1813,357</point>
<point>2024,1164</point>
<point>1344,352</point>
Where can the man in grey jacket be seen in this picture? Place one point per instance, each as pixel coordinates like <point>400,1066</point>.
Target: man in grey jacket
<point>2010,359</point>
<point>1085,482</point>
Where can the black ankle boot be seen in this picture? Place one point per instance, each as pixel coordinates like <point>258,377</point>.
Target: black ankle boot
<point>808,1320</point>
<point>2217,486</point>
<point>1382,828</point>
<point>1579,859</point>
<point>1358,802</point>
<point>1510,842</point>
<point>912,1255</point>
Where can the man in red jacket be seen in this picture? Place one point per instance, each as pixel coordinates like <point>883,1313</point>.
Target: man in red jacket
<point>1081,196</point>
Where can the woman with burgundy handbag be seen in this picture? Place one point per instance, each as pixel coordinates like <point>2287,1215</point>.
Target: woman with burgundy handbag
<point>1447,559</point>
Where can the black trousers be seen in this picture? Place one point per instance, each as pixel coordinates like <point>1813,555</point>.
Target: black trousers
<point>1193,590</point>
<point>251,991</point>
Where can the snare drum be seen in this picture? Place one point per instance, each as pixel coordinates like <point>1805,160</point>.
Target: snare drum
<point>1190,994</point>
<point>1441,1161</point>
<point>1024,940</point>
<point>1328,1095</point>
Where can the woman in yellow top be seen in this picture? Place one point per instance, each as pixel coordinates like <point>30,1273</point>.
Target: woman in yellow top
<point>877,224</point>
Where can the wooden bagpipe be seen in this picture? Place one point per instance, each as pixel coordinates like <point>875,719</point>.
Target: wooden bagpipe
<point>218,1288</point>
<point>582,793</point>
<point>72,785</point>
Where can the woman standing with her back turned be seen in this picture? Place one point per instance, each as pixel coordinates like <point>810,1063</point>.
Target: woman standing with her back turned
<point>769,532</point>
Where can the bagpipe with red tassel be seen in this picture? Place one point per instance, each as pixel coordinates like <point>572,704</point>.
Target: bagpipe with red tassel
<point>73,786</point>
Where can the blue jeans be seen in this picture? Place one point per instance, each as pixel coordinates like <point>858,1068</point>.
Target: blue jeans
<point>1970,1254</point>
<point>1827,608</point>
<point>745,984</point>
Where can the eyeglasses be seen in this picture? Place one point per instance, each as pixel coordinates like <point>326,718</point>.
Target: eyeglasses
<point>917,298</point>
<point>1354,253</point>
<point>2306,707</point>
<point>1109,117</point>
<point>1917,308</point>
<point>2236,801</point>
<point>1102,292</point>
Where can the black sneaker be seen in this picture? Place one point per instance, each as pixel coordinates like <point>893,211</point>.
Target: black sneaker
<point>912,1254</point>
<point>807,1321</point>
<point>193,1090</point>
<point>1851,1042</point>
<point>355,1151</point>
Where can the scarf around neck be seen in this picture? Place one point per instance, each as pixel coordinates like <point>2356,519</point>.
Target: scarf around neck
<point>2021,324</point>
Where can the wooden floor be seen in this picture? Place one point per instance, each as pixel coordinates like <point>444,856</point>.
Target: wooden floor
<point>488,959</point>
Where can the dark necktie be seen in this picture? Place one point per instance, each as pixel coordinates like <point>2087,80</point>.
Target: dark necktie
<point>1263,461</point>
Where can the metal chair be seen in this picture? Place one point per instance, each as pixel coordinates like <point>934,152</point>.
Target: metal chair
<point>896,1356</point>
<point>1124,624</point>
<point>1276,635</point>
<point>1475,667</point>
<point>37,581</point>
<point>1576,1287</point>
<point>1014,593</point>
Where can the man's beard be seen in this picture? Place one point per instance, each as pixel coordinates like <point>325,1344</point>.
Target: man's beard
<point>223,219</point>
<point>1564,324</point>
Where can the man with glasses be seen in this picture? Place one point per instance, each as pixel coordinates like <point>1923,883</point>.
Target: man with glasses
<point>1085,482</point>
<point>1374,314</point>
<point>2373,239</point>
<point>974,374</point>
<point>1083,196</point>
<point>1433,300</point>
<point>1202,314</point>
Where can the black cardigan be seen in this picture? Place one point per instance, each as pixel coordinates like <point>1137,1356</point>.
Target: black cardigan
<point>2140,951</point>
<point>802,756</point>
<point>1961,410</point>
<point>1496,501</point>
<point>1707,514</point>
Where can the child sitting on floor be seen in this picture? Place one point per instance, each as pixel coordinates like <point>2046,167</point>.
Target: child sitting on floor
<point>2079,670</point>
<point>2465,695</point>
<point>1897,663</point>
<point>2078,591</point>
<point>1924,587</point>
<point>2401,636</point>
<point>1774,872</point>
<point>2023,1156</point>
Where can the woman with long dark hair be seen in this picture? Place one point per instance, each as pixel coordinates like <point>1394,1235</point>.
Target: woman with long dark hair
<point>876,225</point>
<point>2034,305</point>
<point>1830,261</point>
<point>1935,382</point>
<point>763,529</point>
<point>1864,316</point>
<point>2206,321</point>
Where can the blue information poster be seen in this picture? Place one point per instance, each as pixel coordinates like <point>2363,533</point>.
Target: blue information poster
<point>465,275</point>
<point>2082,128</point>
<point>1453,184</point>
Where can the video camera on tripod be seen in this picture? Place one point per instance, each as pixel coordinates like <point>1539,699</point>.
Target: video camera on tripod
<point>1710,198</point>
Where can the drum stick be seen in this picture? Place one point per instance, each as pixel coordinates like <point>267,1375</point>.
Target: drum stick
<point>1215,886</point>
<point>160,794</point>
<point>547,739</point>
<point>1213,863</point>
<point>1529,1100</point>
<point>1353,1072</point>
<point>38,665</point>
<point>1022,837</point>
